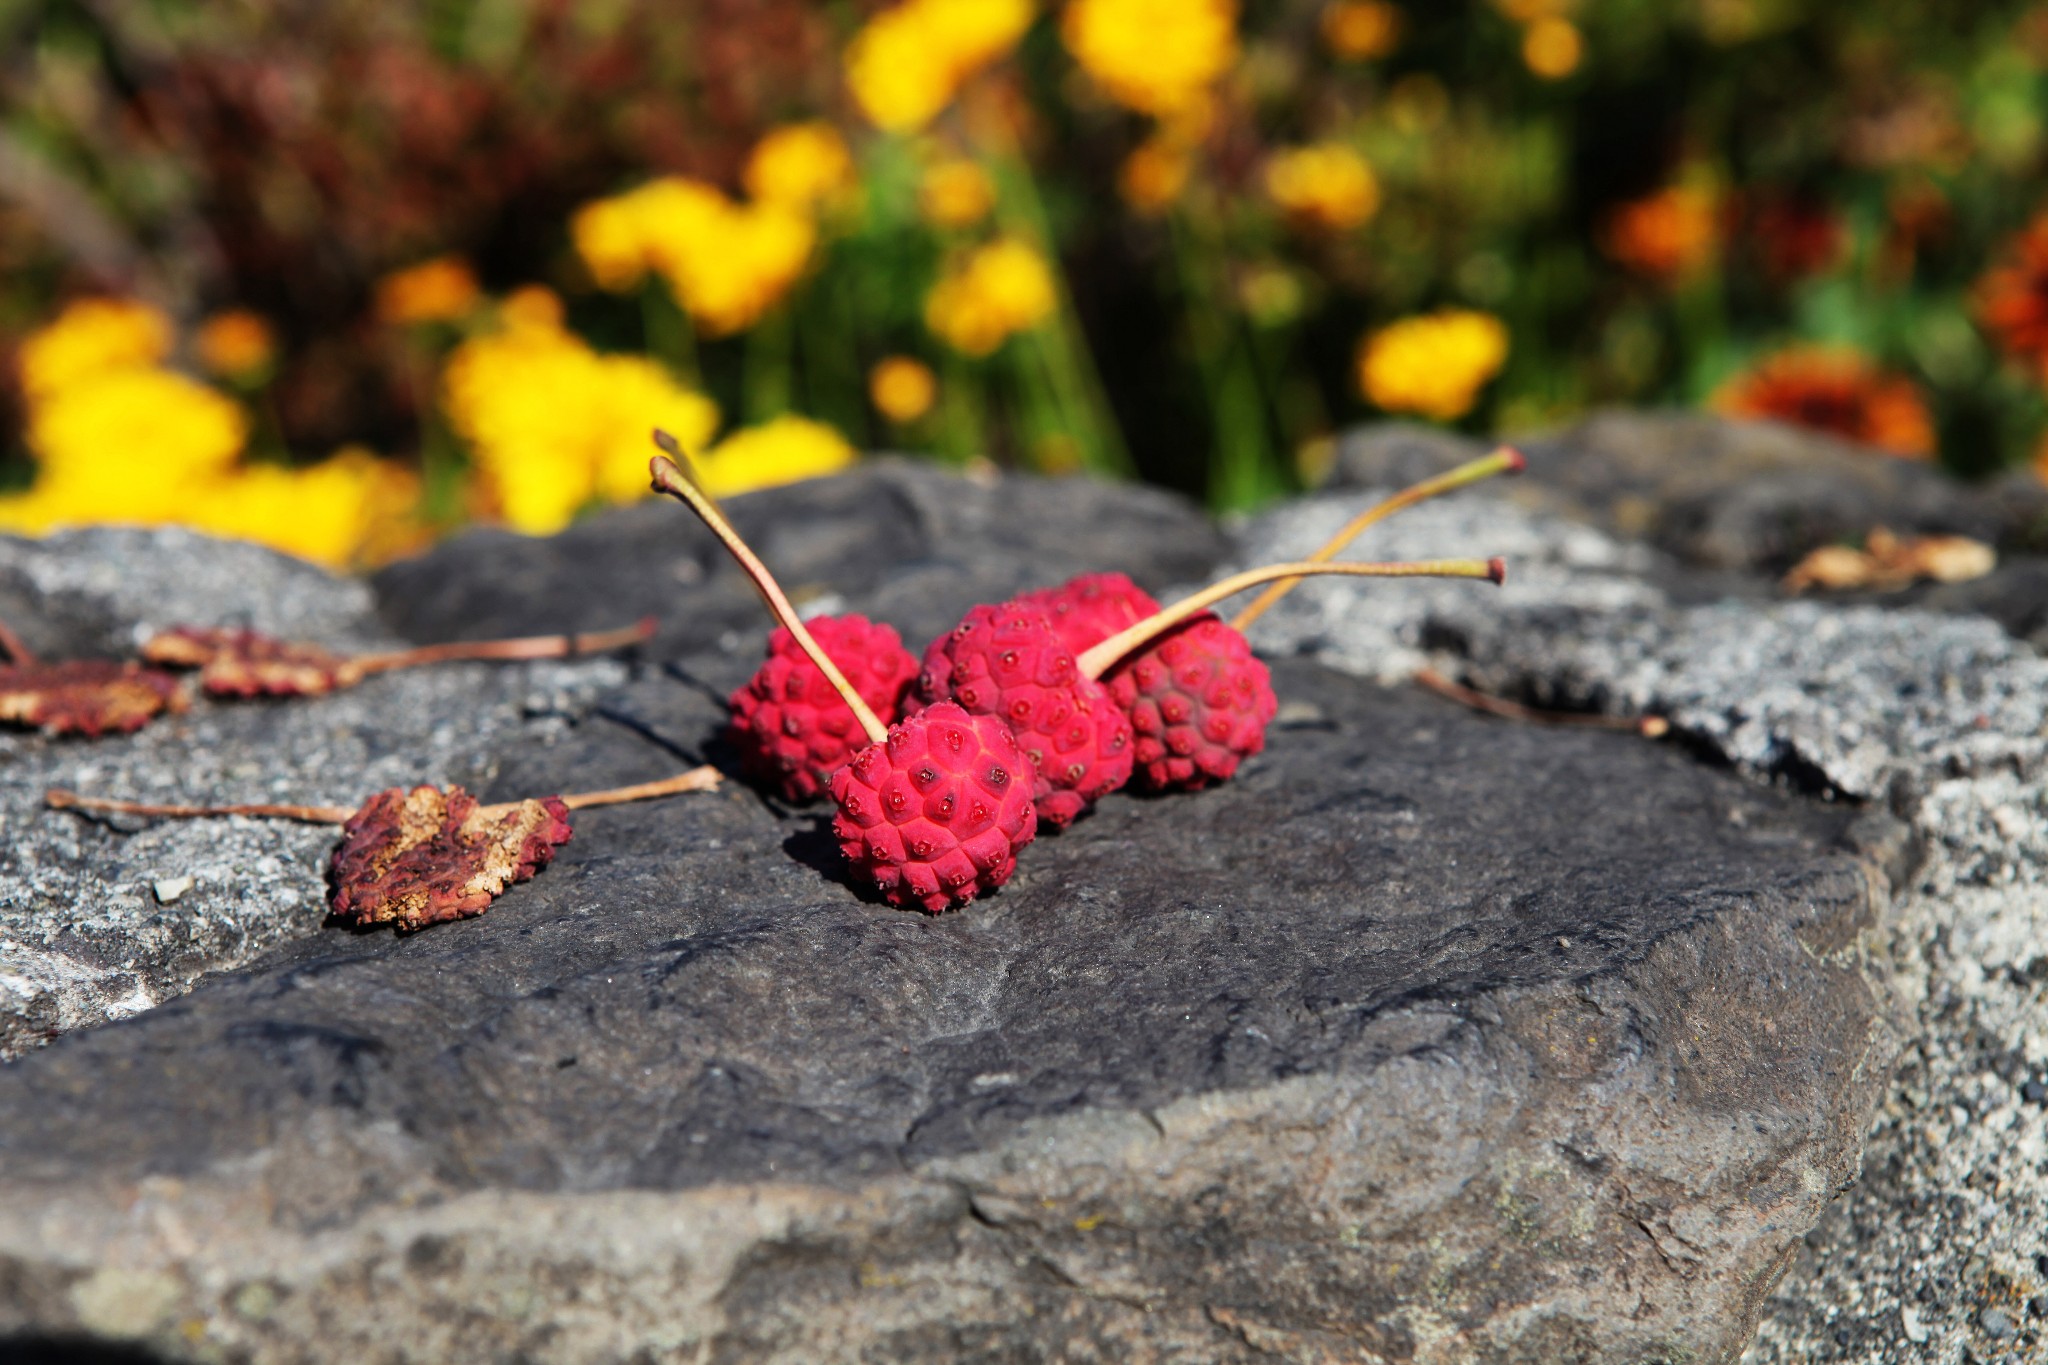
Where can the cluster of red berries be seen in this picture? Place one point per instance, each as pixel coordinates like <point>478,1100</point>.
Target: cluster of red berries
<point>1003,732</point>
<point>1025,714</point>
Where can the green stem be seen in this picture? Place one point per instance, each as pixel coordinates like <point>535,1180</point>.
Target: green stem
<point>1244,469</point>
<point>768,385</point>
<point>1069,363</point>
<point>666,331</point>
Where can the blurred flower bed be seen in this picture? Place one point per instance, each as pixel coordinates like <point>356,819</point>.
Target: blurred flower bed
<point>344,276</point>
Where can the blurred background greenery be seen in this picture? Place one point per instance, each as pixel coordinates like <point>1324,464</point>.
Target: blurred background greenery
<point>344,275</point>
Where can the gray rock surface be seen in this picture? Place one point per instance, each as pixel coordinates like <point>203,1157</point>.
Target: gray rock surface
<point>1939,720</point>
<point>99,924</point>
<point>1431,1038</point>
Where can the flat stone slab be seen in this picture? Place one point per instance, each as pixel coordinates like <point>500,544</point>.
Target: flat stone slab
<point>1430,1038</point>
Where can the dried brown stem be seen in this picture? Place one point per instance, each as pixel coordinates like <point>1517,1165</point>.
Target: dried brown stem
<point>57,798</point>
<point>1099,659</point>
<point>1651,727</point>
<point>670,477</point>
<point>700,779</point>
<point>1502,461</point>
<point>17,652</point>
<point>524,647</point>
<point>705,778</point>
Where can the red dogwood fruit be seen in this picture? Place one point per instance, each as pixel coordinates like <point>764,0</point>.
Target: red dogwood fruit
<point>933,810</point>
<point>1007,661</point>
<point>1089,609</point>
<point>934,815</point>
<point>791,726</point>
<point>1199,704</point>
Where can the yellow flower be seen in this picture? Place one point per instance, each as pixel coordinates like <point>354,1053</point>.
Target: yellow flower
<point>782,450</point>
<point>610,241</point>
<point>235,344</point>
<point>1327,186</point>
<point>955,193</point>
<point>128,445</point>
<point>727,263</point>
<point>638,396</point>
<point>748,259</point>
<point>902,389</point>
<point>441,290</point>
<point>531,305</point>
<point>330,512</point>
<point>1360,30</point>
<point>555,426</point>
<point>1154,174</point>
<point>801,166</point>
<point>907,63</point>
<point>1553,48</point>
<point>1434,365</point>
<point>1154,56</point>
<point>88,337</point>
<point>999,289</point>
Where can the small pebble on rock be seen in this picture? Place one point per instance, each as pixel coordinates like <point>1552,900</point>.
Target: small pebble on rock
<point>169,889</point>
<point>1996,1322</point>
<point>2034,1092</point>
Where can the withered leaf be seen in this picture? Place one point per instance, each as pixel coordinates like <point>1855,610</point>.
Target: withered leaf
<point>419,857</point>
<point>248,663</point>
<point>87,696</point>
<point>1886,561</point>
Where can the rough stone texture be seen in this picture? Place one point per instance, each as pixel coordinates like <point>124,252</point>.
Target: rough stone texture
<point>1429,1038</point>
<point>84,935</point>
<point>1940,721</point>
<point>1721,494</point>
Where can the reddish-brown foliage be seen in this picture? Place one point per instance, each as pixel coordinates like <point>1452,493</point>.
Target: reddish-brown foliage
<point>248,663</point>
<point>416,858</point>
<point>86,696</point>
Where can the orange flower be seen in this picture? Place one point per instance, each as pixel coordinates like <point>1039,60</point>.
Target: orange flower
<point>1553,47</point>
<point>235,344</point>
<point>902,389</point>
<point>1837,390</point>
<point>2012,298</point>
<point>1154,174</point>
<point>1360,30</point>
<point>441,290</point>
<point>1664,235</point>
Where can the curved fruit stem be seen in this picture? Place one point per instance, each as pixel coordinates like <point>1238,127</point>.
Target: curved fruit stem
<point>670,477</point>
<point>1098,659</point>
<point>17,652</point>
<point>699,779</point>
<point>524,647</point>
<point>57,798</point>
<point>1503,461</point>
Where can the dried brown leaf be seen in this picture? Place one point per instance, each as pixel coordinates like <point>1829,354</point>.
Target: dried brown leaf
<point>1887,562</point>
<point>248,663</point>
<point>87,696</point>
<point>421,857</point>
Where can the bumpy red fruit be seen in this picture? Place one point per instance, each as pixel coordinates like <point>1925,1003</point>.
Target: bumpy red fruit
<point>1199,704</point>
<point>1087,610</point>
<point>1005,661</point>
<point>934,815</point>
<point>791,726</point>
